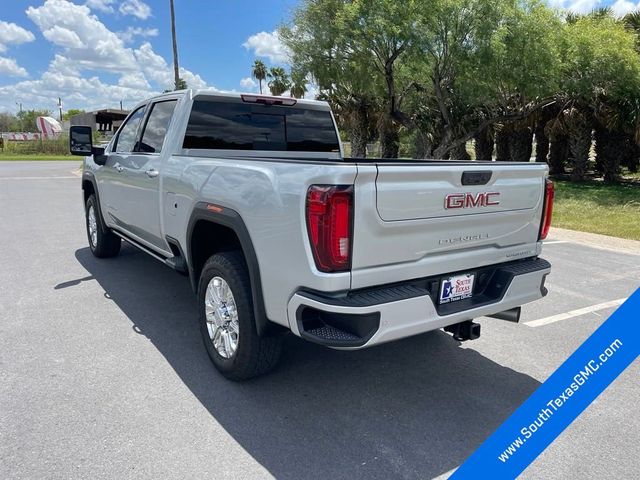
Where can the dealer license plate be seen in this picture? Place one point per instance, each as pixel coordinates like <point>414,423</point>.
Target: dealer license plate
<point>456,288</point>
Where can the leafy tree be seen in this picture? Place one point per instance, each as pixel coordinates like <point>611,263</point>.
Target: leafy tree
<point>298,84</point>
<point>318,41</point>
<point>279,82</point>
<point>27,119</point>
<point>601,80</point>
<point>380,33</point>
<point>259,72</point>
<point>71,112</point>
<point>443,72</point>
<point>7,122</point>
<point>181,84</point>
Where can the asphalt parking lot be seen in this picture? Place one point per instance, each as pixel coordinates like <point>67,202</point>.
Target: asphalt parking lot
<point>103,375</point>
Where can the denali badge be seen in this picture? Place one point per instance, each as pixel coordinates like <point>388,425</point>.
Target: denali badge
<point>469,200</point>
<point>465,238</point>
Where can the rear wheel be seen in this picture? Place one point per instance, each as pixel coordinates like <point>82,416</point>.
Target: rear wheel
<point>102,241</point>
<point>227,321</point>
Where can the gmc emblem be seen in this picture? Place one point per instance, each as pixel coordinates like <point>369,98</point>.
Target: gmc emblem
<point>469,200</point>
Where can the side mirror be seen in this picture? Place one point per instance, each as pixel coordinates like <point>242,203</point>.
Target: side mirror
<point>81,143</point>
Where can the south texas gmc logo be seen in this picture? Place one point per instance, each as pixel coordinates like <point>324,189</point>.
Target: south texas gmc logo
<point>469,200</point>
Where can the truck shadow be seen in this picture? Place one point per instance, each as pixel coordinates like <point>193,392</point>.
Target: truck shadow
<point>410,409</point>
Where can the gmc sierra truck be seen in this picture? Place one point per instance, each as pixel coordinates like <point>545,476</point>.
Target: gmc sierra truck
<point>252,198</point>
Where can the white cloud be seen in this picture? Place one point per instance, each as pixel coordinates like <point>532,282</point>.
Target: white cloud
<point>63,37</point>
<point>12,34</point>
<point>76,92</point>
<point>84,44</point>
<point>576,6</point>
<point>102,5</point>
<point>97,47</point>
<point>269,45</point>
<point>134,80</point>
<point>136,8</point>
<point>622,7</point>
<point>131,33</point>
<point>248,83</point>
<point>8,66</point>
<point>619,7</point>
<point>156,68</point>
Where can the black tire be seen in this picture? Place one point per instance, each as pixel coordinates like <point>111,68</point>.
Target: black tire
<point>255,355</point>
<point>106,244</point>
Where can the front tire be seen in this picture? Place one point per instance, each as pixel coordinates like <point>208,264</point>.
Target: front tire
<point>227,321</point>
<point>102,241</point>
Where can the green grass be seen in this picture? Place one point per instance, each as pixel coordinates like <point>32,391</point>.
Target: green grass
<point>38,156</point>
<point>598,208</point>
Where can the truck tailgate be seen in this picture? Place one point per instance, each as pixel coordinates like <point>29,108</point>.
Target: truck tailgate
<point>420,219</point>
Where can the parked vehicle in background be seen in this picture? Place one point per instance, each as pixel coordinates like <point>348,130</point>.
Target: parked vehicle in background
<point>251,198</point>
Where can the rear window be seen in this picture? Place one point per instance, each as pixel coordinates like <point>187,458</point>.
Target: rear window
<point>241,126</point>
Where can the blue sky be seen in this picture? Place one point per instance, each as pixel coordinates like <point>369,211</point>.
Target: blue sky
<point>95,53</point>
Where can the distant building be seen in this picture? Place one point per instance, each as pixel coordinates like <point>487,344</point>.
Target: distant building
<point>105,121</point>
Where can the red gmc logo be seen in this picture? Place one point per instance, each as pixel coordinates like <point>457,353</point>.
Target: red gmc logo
<point>469,200</point>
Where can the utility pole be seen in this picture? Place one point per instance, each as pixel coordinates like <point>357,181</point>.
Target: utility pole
<point>176,70</point>
<point>19,104</point>
<point>60,107</point>
<point>120,104</point>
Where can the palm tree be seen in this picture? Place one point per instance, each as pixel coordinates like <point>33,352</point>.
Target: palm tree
<point>176,69</point>
<point>280,82</point>
<point>259,72</point>
<point>298,84</point>
<point>632,21</point>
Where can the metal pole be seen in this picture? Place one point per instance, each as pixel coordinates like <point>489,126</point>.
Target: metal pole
<point>176,70</point>
<point>20,116</point>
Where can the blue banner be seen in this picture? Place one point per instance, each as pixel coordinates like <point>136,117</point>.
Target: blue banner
<point>559,400</point>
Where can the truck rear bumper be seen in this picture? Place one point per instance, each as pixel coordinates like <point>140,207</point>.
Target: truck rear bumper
<point>374,316</point>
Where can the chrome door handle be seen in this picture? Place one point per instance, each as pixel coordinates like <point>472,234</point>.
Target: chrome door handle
<point>152,173</point>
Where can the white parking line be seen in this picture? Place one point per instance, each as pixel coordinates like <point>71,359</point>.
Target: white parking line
<point>35,178</point>
<point>445,475</point>
<point>553,242</point>
<point>575,313</point>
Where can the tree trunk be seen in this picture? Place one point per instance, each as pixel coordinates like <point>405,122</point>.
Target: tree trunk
<point>611,147</point>
<point>460,153</point>
<point>558,155</point>
<point>503,139</point>
<point>632,157</point>
<point>579,144</point>
<point>521,145</point>
<point>389,139</point>
<point>424,145</point>
<point>483,145</point>
<point>359,133</point>
<point>542,142</point>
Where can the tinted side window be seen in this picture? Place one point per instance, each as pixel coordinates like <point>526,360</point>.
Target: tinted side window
<point>128,132</point>
<point>156,127</point>
<point>311,131</point>
<point>241,126</point>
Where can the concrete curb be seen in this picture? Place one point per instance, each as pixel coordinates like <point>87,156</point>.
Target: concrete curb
<point>595,240</point>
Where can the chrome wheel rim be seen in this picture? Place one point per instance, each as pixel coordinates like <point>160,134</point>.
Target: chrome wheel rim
<point>93,226</point>
<point>222,317</point>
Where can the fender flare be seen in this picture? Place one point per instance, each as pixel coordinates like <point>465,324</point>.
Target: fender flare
<point>231,219</point>
<point>90,177</point>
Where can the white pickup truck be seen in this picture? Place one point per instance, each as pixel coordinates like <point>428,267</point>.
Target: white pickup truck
<point>252,198</point>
